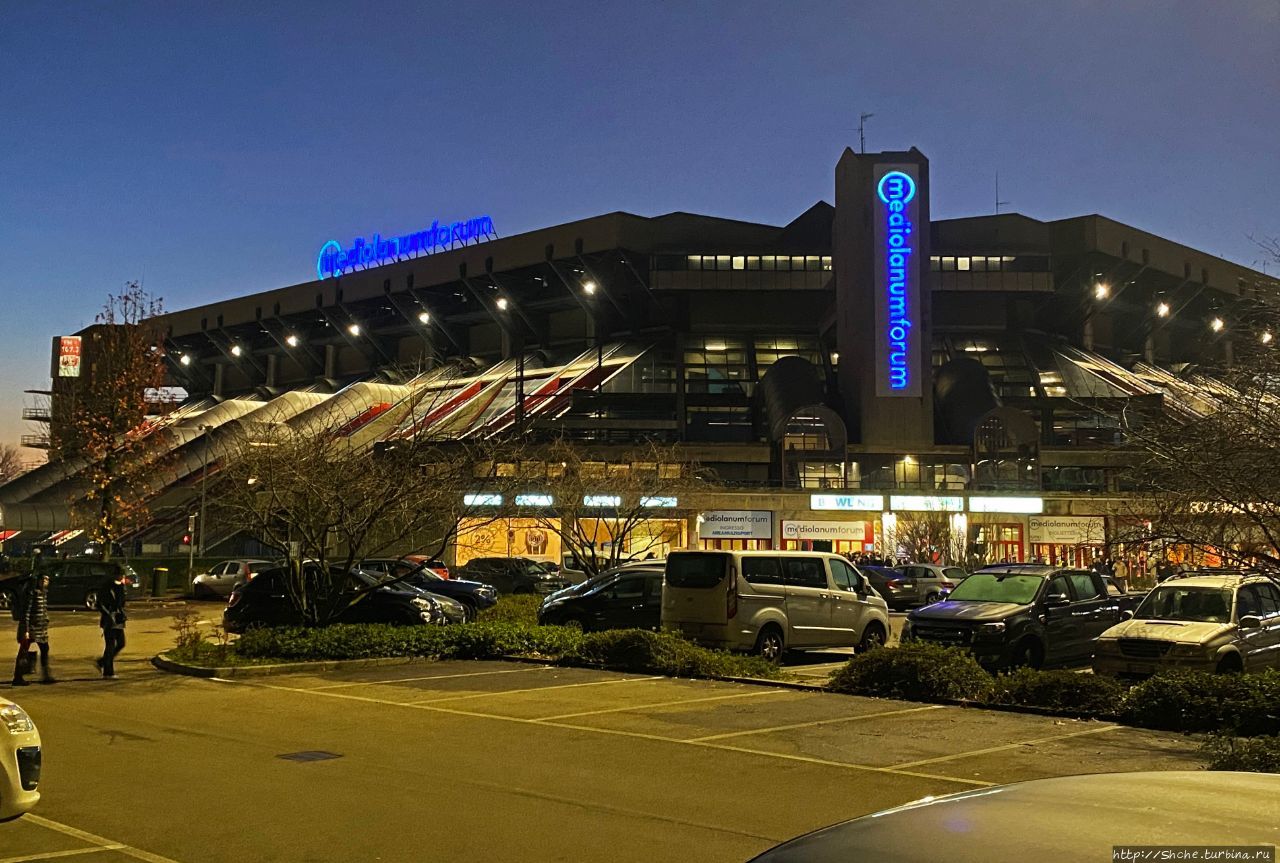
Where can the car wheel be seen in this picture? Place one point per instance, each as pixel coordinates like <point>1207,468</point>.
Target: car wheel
<point>1028,654</point>
<point>574,623</point>
<point>1230,664</point>
<point>873,638</point>
<point>770,644</point>
<point>931,597</point>
<point>468,611</point>
<point>91,600</point>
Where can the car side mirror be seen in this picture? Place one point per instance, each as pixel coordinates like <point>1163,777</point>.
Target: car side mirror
<point>1126,615</point>
<point>1056,600</point>
<point>1251,621</point>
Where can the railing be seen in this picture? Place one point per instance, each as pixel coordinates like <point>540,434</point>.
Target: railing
<point>37,414</point>
<point>35,441</point>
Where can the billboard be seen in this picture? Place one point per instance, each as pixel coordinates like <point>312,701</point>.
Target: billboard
<point>896,208</point>
<point>66,356</point>
<point>735,524</point>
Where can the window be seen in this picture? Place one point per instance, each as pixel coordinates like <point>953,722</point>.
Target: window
<point>739,262</point>
<point>844,575</point>
<point>962,264</point>
<point>1059,584</point>
<point>1268,598</point>
<point>627,590</point>
<point>762,570</point>
<point>954,574</point>
<point>1247,602</point>
<point>948,264</point>
<point>805,572</point>
<point>1084,586</point>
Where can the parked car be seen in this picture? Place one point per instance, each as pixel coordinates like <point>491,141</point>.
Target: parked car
<point>933,582</point>
<point>264,601</point>
<point>387,564</point>
<point>20,757</point>
<point>1020,614</point>
<point>897,589</point>
<point>1129,600</point>
<point>513,575</point>
<point>627,597</point>
<point>1030,821</point>
<point>77,582</point>
<point>225,576</point>
<point>1220,623</point>
<point>471,596</point>
<point>771,601</point>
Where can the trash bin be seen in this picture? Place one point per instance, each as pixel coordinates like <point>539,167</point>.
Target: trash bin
<point>159,580</point>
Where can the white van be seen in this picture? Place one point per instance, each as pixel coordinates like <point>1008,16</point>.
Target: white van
<point>768,602</point>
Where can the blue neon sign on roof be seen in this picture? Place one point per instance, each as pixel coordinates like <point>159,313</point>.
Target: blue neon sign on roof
<point>898,243</point>
<point>334,260</point>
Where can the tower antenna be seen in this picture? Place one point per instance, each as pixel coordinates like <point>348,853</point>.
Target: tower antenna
<point>999,203</point>
<point>862,131</point>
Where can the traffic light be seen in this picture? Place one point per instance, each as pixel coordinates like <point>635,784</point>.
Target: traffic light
<point>186,539</point>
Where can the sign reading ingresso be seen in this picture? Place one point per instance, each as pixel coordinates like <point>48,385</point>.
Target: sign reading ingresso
<point>735,524</point>
<point>897,287</point>
<point>1067,529</point>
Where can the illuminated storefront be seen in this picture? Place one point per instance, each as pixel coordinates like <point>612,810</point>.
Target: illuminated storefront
<point>505,537</point>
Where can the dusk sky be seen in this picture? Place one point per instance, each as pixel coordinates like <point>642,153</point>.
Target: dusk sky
<point>210,149</point>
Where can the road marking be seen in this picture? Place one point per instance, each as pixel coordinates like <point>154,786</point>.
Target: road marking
<point>636,735</point>
<point>51,855</point>
<point>434,677</point>
<point>93,839</point>
<point>659,704</point>
<point>815,723</point>
<point>533,689</point>
<point>972,752</point>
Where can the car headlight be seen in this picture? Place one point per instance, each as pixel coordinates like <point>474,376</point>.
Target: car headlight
<point>1187,651</point>
<point>1106,645</point>
<point>421,602</point>
<point>16,719</point>
<point>486,592</point>
<point>991,628</point>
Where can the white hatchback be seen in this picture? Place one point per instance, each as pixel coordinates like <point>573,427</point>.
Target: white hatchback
<point>19,761</point>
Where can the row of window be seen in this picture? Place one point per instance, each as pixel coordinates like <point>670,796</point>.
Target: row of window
<point>989,263</point>
<point>772,263</point>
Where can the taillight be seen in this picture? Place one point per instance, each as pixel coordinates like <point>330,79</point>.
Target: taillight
<point>731,595</point>
<point>894,583</point>
<point>234,600</point>
<point>946,585</point>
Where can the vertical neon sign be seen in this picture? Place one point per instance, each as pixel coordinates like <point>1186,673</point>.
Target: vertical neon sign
<point>897,282</point>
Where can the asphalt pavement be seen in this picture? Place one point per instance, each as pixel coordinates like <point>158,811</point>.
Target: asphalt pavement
<point>492,761</point>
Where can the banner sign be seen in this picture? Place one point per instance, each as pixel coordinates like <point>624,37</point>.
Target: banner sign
<point>897,288</point>
<point>859,531</point>
<point>69,356</point>
<point>735,524</point>
<point>1068,530</point>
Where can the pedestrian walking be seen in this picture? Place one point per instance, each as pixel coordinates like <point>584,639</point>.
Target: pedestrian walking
<point>33,629</point>
<point>111,617</point>
<point>1121,570</point>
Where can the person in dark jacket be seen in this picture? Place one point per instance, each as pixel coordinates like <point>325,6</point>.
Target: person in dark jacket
<point>33,627</point>
<point>111,617</point>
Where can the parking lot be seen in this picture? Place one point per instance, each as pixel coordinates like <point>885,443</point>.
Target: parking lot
<point>491,761</point>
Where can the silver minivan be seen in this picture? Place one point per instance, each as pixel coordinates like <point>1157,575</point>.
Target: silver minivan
<point>768,602</point>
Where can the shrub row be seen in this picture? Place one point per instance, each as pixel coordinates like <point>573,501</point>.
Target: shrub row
<point>1251,754</point>
<point>625,650</point>
<point>1244,704</point>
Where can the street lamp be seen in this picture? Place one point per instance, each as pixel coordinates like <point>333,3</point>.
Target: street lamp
<point>185,359</point>
<point>354,329</point>
<point>502,304</point>
<point>424,318</point>
<point>589,287</point>
<point>291,340</point>
<point>1101,291</point>
<point>1162,310</point>
<point>1265,338</point>
<point>236,350</point>
<point>1216,325</point>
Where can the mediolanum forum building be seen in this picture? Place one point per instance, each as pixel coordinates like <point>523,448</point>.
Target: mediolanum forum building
<point>844,374</point>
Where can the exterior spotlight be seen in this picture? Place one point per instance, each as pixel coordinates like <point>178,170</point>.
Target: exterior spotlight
<point>236,350</point>
<point>185,359</point>
<point>1101,291</point>
<point>589,287</point>
<point>354,329</point>
<point>1162,310</point>
<point>291,340</point>
<point>1216,325</point>
<point>502,304</point>
<point>424,318</point>
<point>1265,338</point>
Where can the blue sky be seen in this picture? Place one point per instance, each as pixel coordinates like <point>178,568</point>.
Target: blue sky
<point>209,149</point>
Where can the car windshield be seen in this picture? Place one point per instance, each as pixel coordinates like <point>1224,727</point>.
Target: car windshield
<point>988,587</point>
<point>1179,602</point>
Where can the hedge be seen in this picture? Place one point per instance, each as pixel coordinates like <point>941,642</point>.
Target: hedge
<point>1188,701</point>
<point>627,649</point>
<point>1252,754</point>
<point>1067,691</point>
<point>916,671</point>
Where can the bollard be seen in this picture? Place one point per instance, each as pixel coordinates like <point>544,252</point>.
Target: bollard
<point>159,579</point>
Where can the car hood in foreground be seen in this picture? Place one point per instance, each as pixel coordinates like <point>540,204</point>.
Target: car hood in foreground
<point>1024,821</point>
<point>956,610</point>
<point>1181,631</point>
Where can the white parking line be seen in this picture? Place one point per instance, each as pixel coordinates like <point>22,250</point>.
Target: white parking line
<point>93,839</point>
<point>815,723</point>
<point>973,752</point>
<point>662,704</point>
<point>533,689</point>
<point>53,855</point>
<point>434,677</point>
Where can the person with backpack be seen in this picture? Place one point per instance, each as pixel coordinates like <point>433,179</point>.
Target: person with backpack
<point>111,617</point>
<point>32,604</point>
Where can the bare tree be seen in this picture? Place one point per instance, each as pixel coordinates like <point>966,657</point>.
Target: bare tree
<point>11,463</point>
<point>103,415</point>
<point>927,537</point>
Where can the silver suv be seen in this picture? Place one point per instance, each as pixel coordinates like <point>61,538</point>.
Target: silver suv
<point>1201,621</point>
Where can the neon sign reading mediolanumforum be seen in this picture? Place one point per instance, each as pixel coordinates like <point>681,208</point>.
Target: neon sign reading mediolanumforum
<point>334,260</point>
<point>896,190</point>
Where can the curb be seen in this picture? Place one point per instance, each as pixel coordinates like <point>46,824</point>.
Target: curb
<point>164,663</point>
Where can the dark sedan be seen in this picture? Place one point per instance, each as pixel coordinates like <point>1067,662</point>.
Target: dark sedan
<point>513,575</point>
<point>472,595</point>
<point>897,589</point>
<point>624,598</point>
<point>265,602</point>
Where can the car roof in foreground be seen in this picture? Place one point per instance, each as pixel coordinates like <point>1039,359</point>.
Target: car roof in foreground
<point>1029,820</point>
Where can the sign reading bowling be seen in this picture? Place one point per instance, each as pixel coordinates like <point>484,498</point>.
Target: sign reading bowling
<point>897,288</point>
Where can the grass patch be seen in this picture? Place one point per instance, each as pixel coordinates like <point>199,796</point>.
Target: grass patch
<point>206,654</point>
